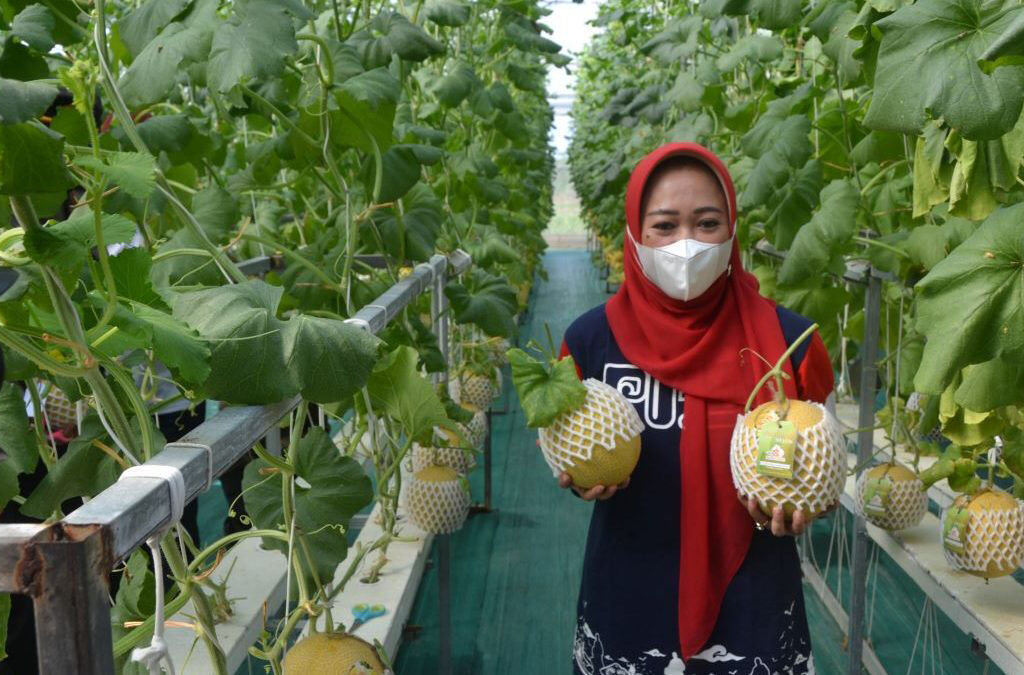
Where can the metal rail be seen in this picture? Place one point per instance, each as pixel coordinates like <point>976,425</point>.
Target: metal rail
<point>64,567</point>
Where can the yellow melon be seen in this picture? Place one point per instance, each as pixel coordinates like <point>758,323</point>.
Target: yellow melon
<point>819,459</point>
<point>994,541</point>
<point>436,500</point>
<point>599,442</point>
<point>475,390</point>
<point>908,500</point>
<point>333,654</point>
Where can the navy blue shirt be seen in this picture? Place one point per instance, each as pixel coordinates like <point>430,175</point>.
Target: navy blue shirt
<point>629,593</point>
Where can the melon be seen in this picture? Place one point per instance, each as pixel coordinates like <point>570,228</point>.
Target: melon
<point>333,654</point>
<point>907,501</point>
<point>993,545</point>
<point>475,390</point>
<point>819,458</point>
<point>60,411</point>
<point>460,459</point>
<point>597,443</point>
<point>437,500</point>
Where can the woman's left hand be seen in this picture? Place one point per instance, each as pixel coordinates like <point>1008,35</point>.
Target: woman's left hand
<point>777,522</point>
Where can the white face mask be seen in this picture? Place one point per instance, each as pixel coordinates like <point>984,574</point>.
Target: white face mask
<point>685,268</point>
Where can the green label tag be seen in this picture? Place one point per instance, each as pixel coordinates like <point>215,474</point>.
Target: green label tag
<point>776,441</point>
<point>876,496</point>
<point>954,529</point>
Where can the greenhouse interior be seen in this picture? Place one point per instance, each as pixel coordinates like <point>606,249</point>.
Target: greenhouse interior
<point>512,337</point>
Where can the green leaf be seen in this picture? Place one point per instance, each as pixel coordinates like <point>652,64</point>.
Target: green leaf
<point>1007,49</point>
<point>252,45</point>
<point>926,246</point>
<point>245,338</point>
<point>16,437</point>
<point>687,93</point>
<point>823,238</point>
<point>545,391</point>
<point>176,345</point>
<point>990,385</point>
<point>777,14</point>
<point>677,41</point>
<point>83,469</point>
<point>453,88</point>
<point>31,160</point>
<point>134,172</point>
<point>368,102</point>
<point>397,388</point>
<point>485,300</point>
<point>332,489</point>
<point>402,170</point>
<point>5,615</point>
<point>447,13</point>
<point>754,47</point>
<point>136,594</point>
<point>156,70</point>
<point>332,360</point>
<point>790,150</point>
<point>34,25</point>
<point>65,245</point>
<point>24,101</point>
<point>969,305</point>
<point>217,212</point>
<point>145,22</point>
<point>406,39</point>
<point>796,201</point>
<point>8,481</point>
<point>928,60</point>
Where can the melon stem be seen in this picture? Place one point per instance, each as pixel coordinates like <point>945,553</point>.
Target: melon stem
<point>777,373</point>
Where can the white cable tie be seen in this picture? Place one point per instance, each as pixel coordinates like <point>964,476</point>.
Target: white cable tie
<point>381,308</point>
<point>171,475</point>
<point>209,459</point>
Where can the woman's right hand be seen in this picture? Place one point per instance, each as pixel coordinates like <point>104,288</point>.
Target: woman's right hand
<point>600,492</point>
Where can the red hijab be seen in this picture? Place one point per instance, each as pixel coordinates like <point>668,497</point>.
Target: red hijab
<point>696,347</point>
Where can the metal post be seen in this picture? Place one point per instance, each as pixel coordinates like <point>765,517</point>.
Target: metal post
<point>865,447</point>
<point>487,465</point>
<point>444,614</point>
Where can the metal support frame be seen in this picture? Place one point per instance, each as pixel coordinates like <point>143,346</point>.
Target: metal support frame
<point>486,507</point>
<point>865,446</point>
<point>64,567</point>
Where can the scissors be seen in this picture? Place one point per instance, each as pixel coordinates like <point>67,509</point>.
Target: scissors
<point>363,613</point>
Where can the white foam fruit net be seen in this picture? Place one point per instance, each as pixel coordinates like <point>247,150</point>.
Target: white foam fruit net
<point>436,507</point>
<point>457,458</point>
<point>476,390</point>
<point>476,429</point>
<point>908,502</point>
<point>604,419</point>
<point>995,537</point>
<point>60,412</point>
<point>819,466</point>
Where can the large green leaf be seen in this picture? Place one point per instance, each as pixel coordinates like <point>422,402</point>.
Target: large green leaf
<point>990,385</point>
<point>329,490</point>
<point>677,41</point>
<point>790,150</point>
<point>23,101</point>
<point>246,341</point>
<point>35,25</point>
<point>546,391</point>
<point>31,160</point>
<point>928,64</point>
<point>485,300</point>
<point>176,345</point>
<point>453,88</point>
<point>332,360</point>
<point>754,47</point>
<point>1007,49</point>
<point>156,69</point>
<point>449,13</point>
<point>66,244</point>
<point>133,172</point>
<point>794,203</point>
<point>253,44</point>
<point>217,212</point>
<point>16,437</point>
<point>970,306</point>
<point>145,22</point>
<point>397,388</point>
<point>819,242</point>
<point>406,39</point>
<point>367,103</point>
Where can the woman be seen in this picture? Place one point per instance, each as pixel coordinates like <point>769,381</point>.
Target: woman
<point>680,574</point>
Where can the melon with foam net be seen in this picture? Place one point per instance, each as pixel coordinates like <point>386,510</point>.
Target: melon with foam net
<point>994,541</point>
<point>436,500</point>
<point>907,502</point>
<point>819,459</point>
<point>597,443</point>
<point>333,654</point>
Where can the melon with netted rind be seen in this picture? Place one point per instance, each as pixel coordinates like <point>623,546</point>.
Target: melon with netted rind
<point>908,500</point>
<point>994,541</point>
<point>460,459</point>
<point>333,654</point>
<point>475,390</point>
<point>436,500</point>
<point>819,459</point>
<point>597,443</point>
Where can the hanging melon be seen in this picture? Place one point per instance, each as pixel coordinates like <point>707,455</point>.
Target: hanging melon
<point>587,429</point>
<point>437,499</point>
<point>458,458</point>
<point>476,429</point>
<point>983,534</point>
<point>333,654</point>
<point>788,453</point>
<point>891,496</point>
<point>474,389</point>
<point>60,411</point>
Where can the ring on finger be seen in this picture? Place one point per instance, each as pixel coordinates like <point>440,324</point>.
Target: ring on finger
<point>759,526</point>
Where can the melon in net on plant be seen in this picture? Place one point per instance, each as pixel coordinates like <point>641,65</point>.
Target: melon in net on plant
<point>333,654</point>
<point>447,450</point>
<point>474,389</point>
<point>437,499</point>
<point>983,534</point>
<point>891,496</point>
<point>788,453</point>
<point>587,429</point>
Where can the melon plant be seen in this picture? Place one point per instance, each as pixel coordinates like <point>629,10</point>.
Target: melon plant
<point>587,429</point>
<point>788,453</point>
